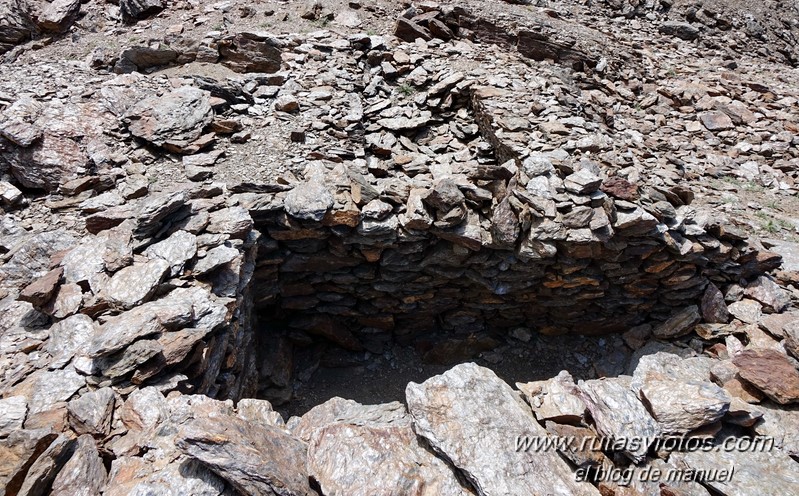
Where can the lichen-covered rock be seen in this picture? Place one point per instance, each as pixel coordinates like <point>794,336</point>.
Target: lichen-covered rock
<point>618,413</point>
<point>755,471</point>
<point>135,284</point>
<point>83,474</point>
<point>91,413</point>
<point>555,399</point>
<point>174,120</point>
<point>309,201</point>
<point>254,459</point>
<point>45,389</point>
<point>377,455</point>
<point>448,410</point>
<point>682,407</point>
<point>13,411</point>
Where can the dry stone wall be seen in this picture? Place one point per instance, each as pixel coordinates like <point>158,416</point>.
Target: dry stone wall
<point>535,240</point>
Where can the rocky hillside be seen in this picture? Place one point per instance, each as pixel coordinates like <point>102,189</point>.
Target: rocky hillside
<point>212,210</point>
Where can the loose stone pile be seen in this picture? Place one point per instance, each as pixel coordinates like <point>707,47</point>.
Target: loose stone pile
<point>445,188</point>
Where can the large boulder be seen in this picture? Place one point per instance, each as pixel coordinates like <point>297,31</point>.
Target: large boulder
<point>174,120</point>
<point>450,412</point>
<point>251,52</point>
<point>133,10</point>
<point>48,144</point>
<point>15,23</point>
<point>58,15</point>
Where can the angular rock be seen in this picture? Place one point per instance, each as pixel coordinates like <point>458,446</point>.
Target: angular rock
<point>151,318</point>
<point>234,221</point>
<point>17,26</point>
<point>251,52</point>
<point>182,475</point>
<point>771,372</point>
<point>716,121</point>
<point>139,58</point>
<point>409,31</point>
<point>449,411</point>
<point>681,407</point>
<point>67,301</point>
<point>342,453</point>
<point>41,291</point>
<point>18,452</point>
<point>584,451</point>
<point>88,262</point>
<point>445,195</point>
<point>10,194</point>
<point>124,362</point>
<point>58,15</point>
<point>49,163</point>
<point>135,284</point>
<point>748,311</point>
<point>174,120</point>
<point>755,472</point>
<point>682,30</point>
<point>259,412</point>
<point>44,389</point>
<point>678,325</point>
<point>743,414</point>
<point>83,474</point>
<point>69,337</point>
<point>618,413</point>
<point>777,324</point>
<point>404,123</point>
<point>555,399</point>
<point>176,345</point>
<point>416,215</point>
<point>41,474</point>
<point>620,188</point>
<point>13,411</point>
<point>140,9</point>
<point>338,409</point>
<point>31,257</point>
<point>714,309</point>
<point>309,201</point>
<point>791,341</point>
<point>287,103</point>
<point>216,257</point>
<point>768,292</point>
<point>91,412</point>
<point>175,250</point>
<point>505,227</point>
<point>144,409</point>
<point>582,182</point>
<point>637,219</point>
<point>659,365</point>
<point>779,422</point>
<point>254,459</point>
